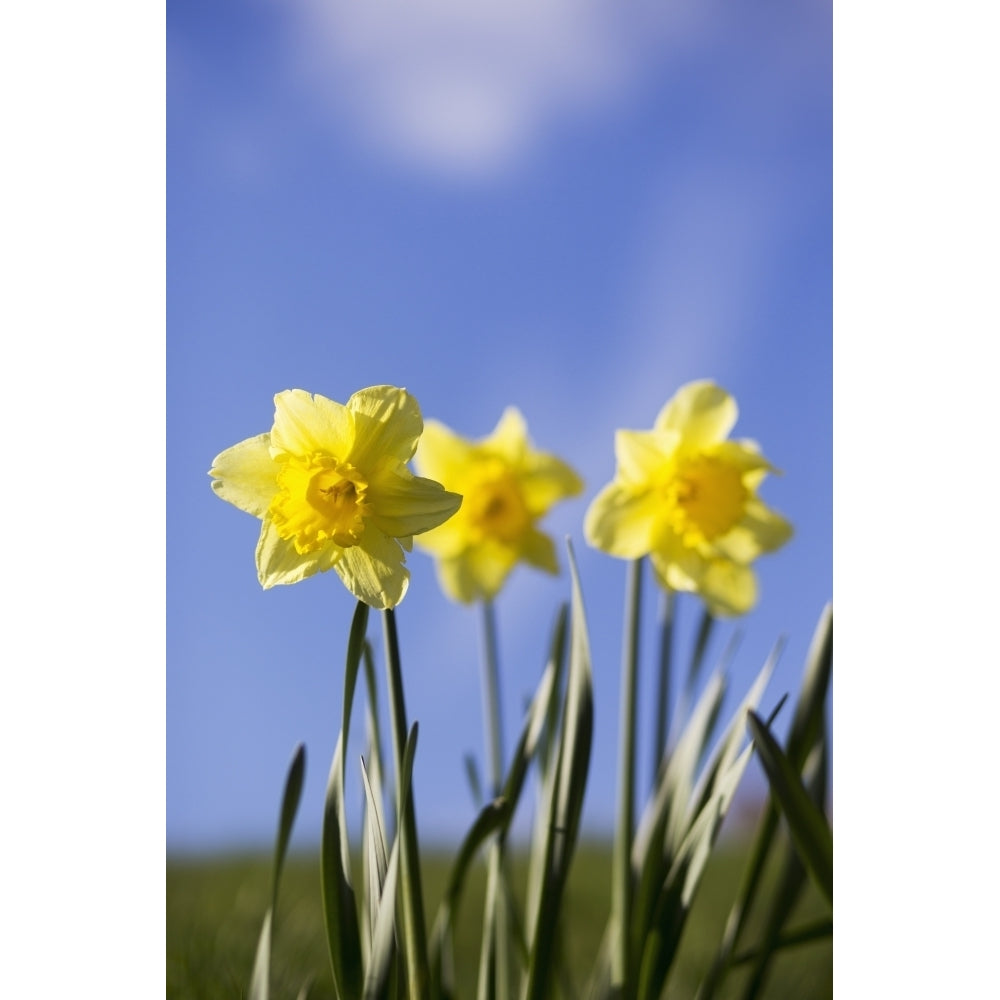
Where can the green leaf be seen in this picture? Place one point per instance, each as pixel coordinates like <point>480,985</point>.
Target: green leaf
<point>383,935</point>
<point>621,851</point>
<point>339,904</point>
<point>677,850</point>
<point>673,904</point>
<point>566,799</point>
<point>810,708</point>
<point>816,931</point>
<point>473,780</point>
<point>665,818</point>
<point>805,729</point>
<point>807,824</point>
<point>259,980</point>
<point>375,850</point>
<point>373,812</point>
<point>497,815</point>
<point>414,931</point>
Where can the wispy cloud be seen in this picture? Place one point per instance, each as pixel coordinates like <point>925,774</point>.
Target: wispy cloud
<point>470,87</point>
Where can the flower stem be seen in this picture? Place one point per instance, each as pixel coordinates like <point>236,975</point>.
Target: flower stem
<point>414,931</point>
<point>491,697</point>
<point>667,605</point>
<point>621,873</point>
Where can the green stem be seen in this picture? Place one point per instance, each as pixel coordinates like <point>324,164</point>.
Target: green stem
<point>414,931</point>
<point>491,697</point>
<point>667,605</point>
<point>621,872</point>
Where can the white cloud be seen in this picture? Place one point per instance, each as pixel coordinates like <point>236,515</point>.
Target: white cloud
<point>468,87</point>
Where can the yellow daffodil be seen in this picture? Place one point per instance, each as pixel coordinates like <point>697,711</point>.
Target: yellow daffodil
<point>331,485</point>
<point>687,497</point>
<point>507,488</point>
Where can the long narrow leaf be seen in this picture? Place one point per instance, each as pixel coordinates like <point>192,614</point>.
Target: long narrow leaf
<point>339,905</point>
<point>383,935</point>
<point>373,812</point>
<point>567,798</point>
<point>735,734</point>
<point>621,852</point>
<point>260,978</point>
<point>816,931</point>
<point>809,710</point>
<point>792,879</point>
<point>809,828</point>
<point>414,930</point>
<point>656,941</point>
<point>375,850</point>
<point>664,819</point>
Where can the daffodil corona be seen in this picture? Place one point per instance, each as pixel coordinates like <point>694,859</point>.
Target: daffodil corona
<point>687,497</point>
<point>330,484</point>
<point>507,488</point>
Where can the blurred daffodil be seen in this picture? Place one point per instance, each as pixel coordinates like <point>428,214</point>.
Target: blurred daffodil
<point>507,488</point>
<point>687,497</point>
<point>330,484</point>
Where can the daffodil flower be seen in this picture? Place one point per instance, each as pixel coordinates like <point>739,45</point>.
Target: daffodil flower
<point>508,487</point>
<point>330,484</point>
<point>687,497</point>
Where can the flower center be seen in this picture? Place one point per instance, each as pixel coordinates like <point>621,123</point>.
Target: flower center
<point>496,508</point>
<point>319,500</point>
<point>705,497</point>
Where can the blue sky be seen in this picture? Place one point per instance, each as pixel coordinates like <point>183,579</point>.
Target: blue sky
<point>569,208</point>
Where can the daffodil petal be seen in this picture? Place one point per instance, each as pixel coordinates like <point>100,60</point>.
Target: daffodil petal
<point>373,570</point>
<point>510,436</point>
<point>445,541</point>
<point>621,522</point>
<point>246,475</point>
<point>304,423</point>
<point>404,504</point>
<point>743,455</point>
<point>729,588</point>
<point>676,565</point>
<point>387,422</point>
<point>442,455</point>
<point>279,563</point>
<point>703,413</point>
<point>642,454</point>
<point>547,481</point>
<point>478,573</point>
<point>760,530</point>
<point>456,579</point>
<point>539,550</point>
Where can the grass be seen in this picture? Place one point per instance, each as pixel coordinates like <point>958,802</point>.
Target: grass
<point>215,907</point>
